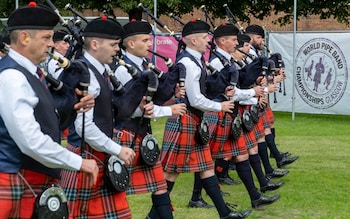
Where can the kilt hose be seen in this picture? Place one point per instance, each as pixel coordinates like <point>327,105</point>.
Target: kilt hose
<point>97,201</point>
<point>248,138</point>
<point>143,178</point>
<point>16,199</point>
<point>180,151</point>
<point>221,142</point>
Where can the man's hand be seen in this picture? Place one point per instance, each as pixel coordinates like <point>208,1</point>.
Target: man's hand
<point>127,155</point>
<point>227,106</point>
<point>148,107</point>
<point>272,88</point>
<point>263,101</point>
<point>89,166</point>
<point>85,103</point>
<point>258,91</point>
<point>179,91</point>
<point>178,109</point>
<point>230,91</point>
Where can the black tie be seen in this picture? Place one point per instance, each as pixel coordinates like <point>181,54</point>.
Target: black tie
<point>41,76</point>
<point>107,79</point>
<point>144,65</point>
<point>204,66</point>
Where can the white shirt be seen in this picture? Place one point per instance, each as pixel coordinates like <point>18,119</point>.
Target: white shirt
<point>93,135</point>
<point>52,66</point>
<point>240,95</point>
<point>17,103</point>
<point>123,76</point>
<point>193,74</point>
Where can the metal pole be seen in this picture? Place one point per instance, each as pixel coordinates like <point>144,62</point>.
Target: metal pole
<point>294,56</point>
<point>16,4</point>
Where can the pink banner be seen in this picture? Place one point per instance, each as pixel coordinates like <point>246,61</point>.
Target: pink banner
<point>166,46</point>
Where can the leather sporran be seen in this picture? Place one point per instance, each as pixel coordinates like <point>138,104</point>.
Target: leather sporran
<point>149,149</point>
<point>236,126</point>
<point>51,203</point>
<point>202,134</point>
<point>247,121</point>
<point>116,175</point>
<point>254,112</point>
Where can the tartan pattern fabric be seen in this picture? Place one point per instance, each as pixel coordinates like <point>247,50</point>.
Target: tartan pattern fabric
<point>270,118</point>
<point>259,128</point>
<point>180,151</point>
<point>16,199</point>
<point>144,178</point>
<point>221,143</point>
<point>247,138</point>
<point>96,201</point>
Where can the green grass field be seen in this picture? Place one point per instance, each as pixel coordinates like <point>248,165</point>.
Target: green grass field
<point>317,186</point>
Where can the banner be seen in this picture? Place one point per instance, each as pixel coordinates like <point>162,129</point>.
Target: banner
<point>321,72</point>
<point>167,46</point>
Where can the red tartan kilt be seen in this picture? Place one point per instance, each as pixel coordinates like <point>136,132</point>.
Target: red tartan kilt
<point>180,150</point>
<point>16,199</point>
<point>144,178</point>
<point>248,138</point>
<point>259,128</point>
<point>222,145</point>
<point>96,201</point>
<point>269,115</point>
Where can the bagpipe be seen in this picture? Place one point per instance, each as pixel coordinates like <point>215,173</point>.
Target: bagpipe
<point>4,48</point>
<point>274,57</point>
<point>75,29</point>
<point>176,72</point>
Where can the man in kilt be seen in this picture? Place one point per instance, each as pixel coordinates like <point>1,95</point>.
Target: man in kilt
<point>130,131</point>
<point>30,153</point>
<point>102,36</point>
<point>183,150</point>
<point>222,142</point>
<point>257,35</point>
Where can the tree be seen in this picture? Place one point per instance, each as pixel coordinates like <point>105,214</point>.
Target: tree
<point>242,9</point>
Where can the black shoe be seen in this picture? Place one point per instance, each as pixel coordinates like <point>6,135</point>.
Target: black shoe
<point>276,174</point>
<point>271,186</point>
<point>283,154</point>
<point>199,204</point>
<point>224,193</point>
<point>264,200</point>
<point>228,181</point>
<point>237,215</point>
<point>285,161</point>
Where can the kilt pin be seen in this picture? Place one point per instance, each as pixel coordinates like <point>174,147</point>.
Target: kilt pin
<point>180,151</point>
<point>17,195</point>
<point>144,178</point>
<point>84,198</point>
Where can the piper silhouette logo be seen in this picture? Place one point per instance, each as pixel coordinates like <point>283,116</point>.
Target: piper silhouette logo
<point>322,74</point>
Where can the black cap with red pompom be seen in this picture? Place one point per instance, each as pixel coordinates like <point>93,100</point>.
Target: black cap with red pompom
<point>226,29</point>
<point>195,26</point>
<point>33,16</point>
<point>135,27</point>
<point>104,27</point>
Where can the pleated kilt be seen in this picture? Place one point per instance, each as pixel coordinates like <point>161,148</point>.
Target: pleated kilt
<point>270,118</point>
<point>247,138</point>
<point>180,150</point>
<point>92,202</point>
<point>259,127</point>
<point>221,143</point>
<point>16,199</point>
<point>144,178</point>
